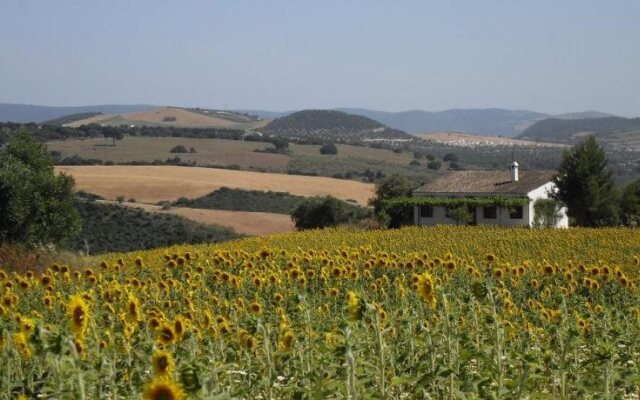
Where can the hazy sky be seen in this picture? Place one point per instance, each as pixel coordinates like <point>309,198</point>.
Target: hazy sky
<point>551,56</point>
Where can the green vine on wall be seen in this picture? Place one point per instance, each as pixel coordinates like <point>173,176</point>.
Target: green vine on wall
<point>506,202</point>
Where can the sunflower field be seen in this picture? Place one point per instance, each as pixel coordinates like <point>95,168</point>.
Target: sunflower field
<point>414,313</point>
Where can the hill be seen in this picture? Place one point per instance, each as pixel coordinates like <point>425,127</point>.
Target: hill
<point>175,117</point>
<point>491,121</point>
<point>109,228</point>
<point>331,125</point>
<point>39,114</point>
<point>67,119</point>
<point>570,130</point>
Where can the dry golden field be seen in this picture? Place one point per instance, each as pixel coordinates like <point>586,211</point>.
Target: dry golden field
<point>244,222</point>
<point>151,184</point>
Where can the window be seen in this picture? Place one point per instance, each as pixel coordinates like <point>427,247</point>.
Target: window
<point>426,211</point>
<point>516,212</point>
<point>490,212</point>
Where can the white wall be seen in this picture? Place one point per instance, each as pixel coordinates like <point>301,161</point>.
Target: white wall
<point>502,218</point>
<point>543,193</point>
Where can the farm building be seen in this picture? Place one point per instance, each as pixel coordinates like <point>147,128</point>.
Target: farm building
<point>506,198</point>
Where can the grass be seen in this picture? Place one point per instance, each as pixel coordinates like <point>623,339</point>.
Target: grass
<point>221,152</point>
<point>350,160</point>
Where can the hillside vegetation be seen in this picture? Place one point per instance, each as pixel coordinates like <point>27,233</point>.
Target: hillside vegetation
<point>114,228</point>
<point>331,125</point>
<point>244,200</point>
<point>565,130</point>
<point>439,312</point>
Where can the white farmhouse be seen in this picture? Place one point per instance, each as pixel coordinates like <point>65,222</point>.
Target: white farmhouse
<point>483,187</point>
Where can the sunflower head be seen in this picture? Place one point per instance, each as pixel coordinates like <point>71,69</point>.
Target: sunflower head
<point>78,313</point>
<point>355,306</point>
<point>287,341</point>
<point>163,363</point>
<point>166,335</point>
<point>162,388</point>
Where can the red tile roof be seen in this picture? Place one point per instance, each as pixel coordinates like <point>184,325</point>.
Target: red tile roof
<point>486,183</point>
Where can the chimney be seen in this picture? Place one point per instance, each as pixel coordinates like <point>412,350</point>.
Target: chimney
<point>514,171</point>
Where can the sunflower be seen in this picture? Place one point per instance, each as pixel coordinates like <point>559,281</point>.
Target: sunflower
<point>20,340</point>
<point>163,363</point>
<point>426,289</point>
<point>287,341</point>
<point>162,388</point>
<point>249,342</point>
<point>179,326</point>
<point>132,313</point>
<point>78,312</point>
<point>255,308</point>
<point>354,306</point>
<point>166,335</point>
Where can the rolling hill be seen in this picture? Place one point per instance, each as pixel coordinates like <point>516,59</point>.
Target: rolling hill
<point>331,125</point>
<point>607,129</point>
<point>491,121</point>
<point>175,117</point>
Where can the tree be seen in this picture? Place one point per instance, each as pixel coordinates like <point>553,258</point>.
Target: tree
<point>630,204</point>
<point>329,148</point>
<point>316,212</point>
<point>546,213</point>
<point>586,187</point>
<point>280,144</point>
<point>395,185</point>
<point>36,205</point>
<point>113,133</point>
<point>434,165</point>
<point>461,215</point>
<point>450,157</point>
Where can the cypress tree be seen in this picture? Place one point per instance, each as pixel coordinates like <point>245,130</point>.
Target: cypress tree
<point>586,187</point>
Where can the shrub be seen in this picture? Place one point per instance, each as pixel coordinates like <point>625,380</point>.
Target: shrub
<point>317,212</point>
<point>434,165</point>
<point>179,149</point>
<point>451,157</point>
<point>329,149</point>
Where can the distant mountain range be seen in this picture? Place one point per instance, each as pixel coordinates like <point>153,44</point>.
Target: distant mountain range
<point>492,121</point>
<point>31,113</point>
